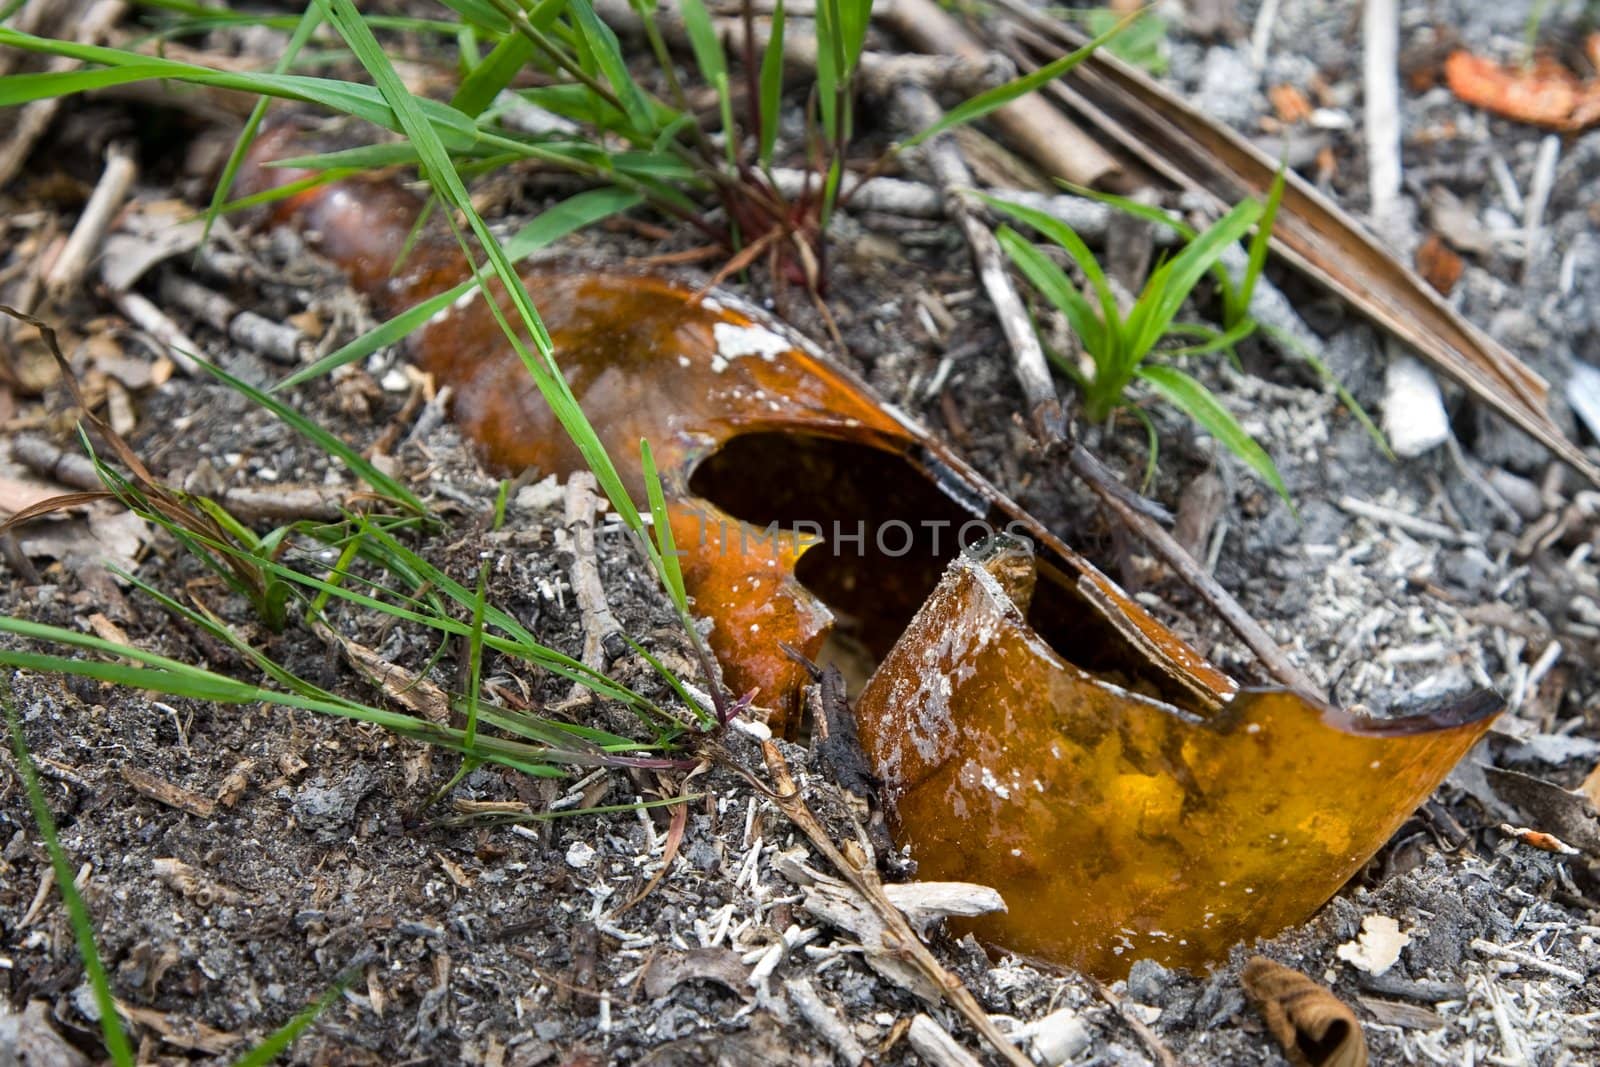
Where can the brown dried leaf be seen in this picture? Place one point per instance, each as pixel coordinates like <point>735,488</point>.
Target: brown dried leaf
<point>1570,815</point>
<point>719,965</point>
<point>1543,93</point>
<point>1438,264</point>
<point>1315,1028</point>
<point>1289,103</point>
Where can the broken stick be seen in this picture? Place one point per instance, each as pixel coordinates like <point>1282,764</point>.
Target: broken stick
<point>89,234</point>
<point>577,537</point>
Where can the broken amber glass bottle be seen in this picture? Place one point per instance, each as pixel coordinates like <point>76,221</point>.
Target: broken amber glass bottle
<point>1036,729</point>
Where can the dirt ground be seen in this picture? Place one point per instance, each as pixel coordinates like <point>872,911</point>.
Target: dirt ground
<point>307,848</point>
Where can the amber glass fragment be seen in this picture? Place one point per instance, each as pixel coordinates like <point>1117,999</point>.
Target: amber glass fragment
<point>1037,730</point>
<point>1116,826</point>
<point>750,425</point>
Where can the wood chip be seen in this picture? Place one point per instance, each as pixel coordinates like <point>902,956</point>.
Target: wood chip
<point>935,1045</point>
<point>1399,1013</point>
<point>164,792</point>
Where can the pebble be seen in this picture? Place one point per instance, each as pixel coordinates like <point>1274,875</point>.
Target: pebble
<point>1414,418</point>
<point>1058,1037</point>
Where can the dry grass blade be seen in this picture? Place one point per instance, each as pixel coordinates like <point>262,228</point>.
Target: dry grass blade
<point>1315,1028</point>
<point>865,881</point>
<point>1198,154</point>
<point>60,502</point>
<point>669,851</point>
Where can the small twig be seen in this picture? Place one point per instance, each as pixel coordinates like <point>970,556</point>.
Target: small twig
<point>275,340</point>
<point>934,1044</point>
<point>828,1024</point>
<point>1527,959</point>
<point>152,320</point>
<point>1261,33</point>
<point>277,503</point>
<point>1153,1044</point>
<point>1539,188</point>
<point>72,265</point>
<point>953,178</point>
<point>1409,523</point>
<point>29,122</point>
<point>577,537</point>
<point>864,879</point>
<point>1380,44</point>
<point>1040,131</point>
<point>1115,496</point>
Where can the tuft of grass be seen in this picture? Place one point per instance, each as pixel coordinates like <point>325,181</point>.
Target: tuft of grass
<point>1120,346</point>
<point>1235,295</point>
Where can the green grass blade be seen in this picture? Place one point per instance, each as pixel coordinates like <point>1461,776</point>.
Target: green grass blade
<point>303,30</point>
<point>602,42</point>
<point>831,65</point>
<point>1236,301</point>
<point>475,651</point>
<point>362,157</point>
<point>993,99</point>
<point>771,86</point>
<point>1128,206</point>
<point>661,526</point>
<point>480,13</point>
<point>1057,288</point>
<point>324,440</point>
<point>1059,232</point>
<point>275,1043</point>
<point>674,683</point>
<point>1294,344</point>
<point>1211,340</point>
<point>486,80</point>
<point>82,927</point>
<point>1170,285</point>
<point>1188,395</point>
<point>1152,442</point>
<point>159,675</point>
<point>360,101</point>
<point>703,40</point>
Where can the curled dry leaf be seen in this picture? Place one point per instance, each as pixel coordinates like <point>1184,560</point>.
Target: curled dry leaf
<point>1315,1028</point>
<point>1543,93</point>
<point>1538,839</point>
